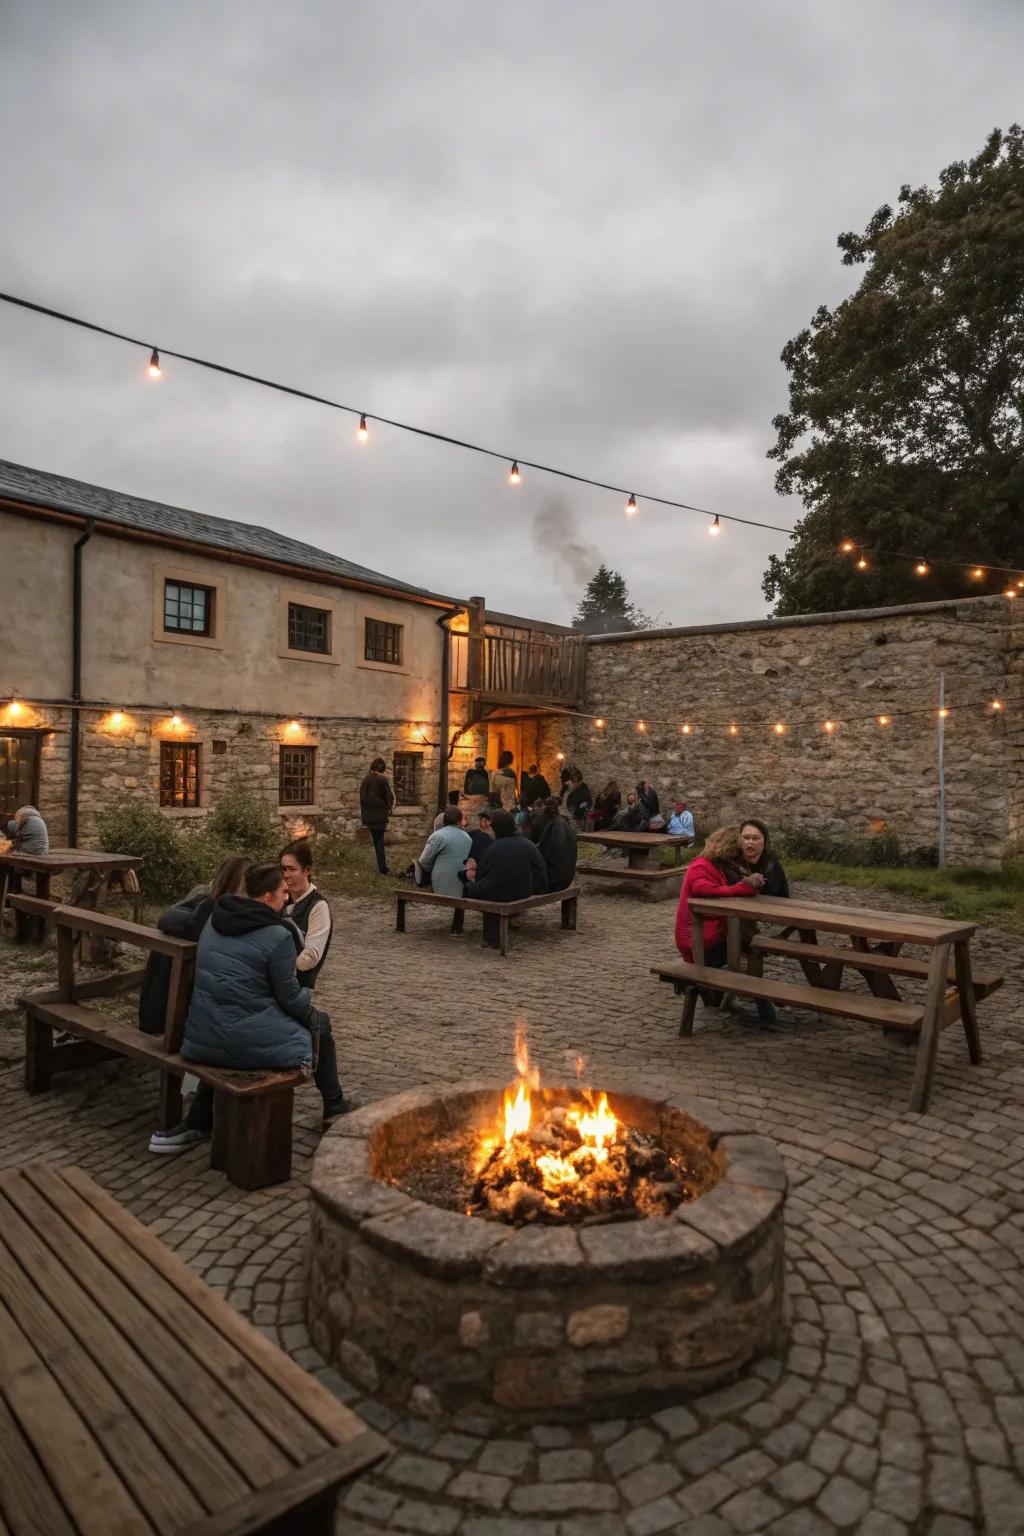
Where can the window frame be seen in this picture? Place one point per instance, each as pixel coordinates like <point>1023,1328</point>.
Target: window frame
<point>184,576</point>
<point>300,598</point>
<point>311,650</point>
<point>390,627</point>
<point>33,737</point>
<point>417,761</point>
<point>210,594</point>
<point>190,750</point>
<point>283,752</point>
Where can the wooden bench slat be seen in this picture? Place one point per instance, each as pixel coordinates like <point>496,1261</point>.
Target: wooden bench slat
<point>128,1040</point>
<point>216,1422</point>
<point>26,1498</point>
<point>141,935</point>
<point>290,1493</point>
<point>85,1353</point>
<point>96,1499</point>
<point>254,1426</point>
<point>35,906</point>
<point>985,982</point>
<point>329,1417</point>
<point>660,872</point>
<point>851,1005</point>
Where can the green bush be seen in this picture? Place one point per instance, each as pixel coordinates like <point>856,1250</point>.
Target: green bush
<point>882,850</point>
<point>172,861</point>
<point>241,822</point>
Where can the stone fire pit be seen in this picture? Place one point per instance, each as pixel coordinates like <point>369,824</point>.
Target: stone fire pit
<point>434,1310</point>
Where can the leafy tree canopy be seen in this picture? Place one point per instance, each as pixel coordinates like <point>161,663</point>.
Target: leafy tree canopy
<point>905,428</point>
<point>605,607</point>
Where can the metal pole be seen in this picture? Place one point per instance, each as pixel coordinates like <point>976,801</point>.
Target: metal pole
<point>942,771</point>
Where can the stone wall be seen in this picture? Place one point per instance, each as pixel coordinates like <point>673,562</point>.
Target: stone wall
<point>860,779</point>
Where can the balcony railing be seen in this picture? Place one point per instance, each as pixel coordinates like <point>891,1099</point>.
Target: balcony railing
<point>540,670</point>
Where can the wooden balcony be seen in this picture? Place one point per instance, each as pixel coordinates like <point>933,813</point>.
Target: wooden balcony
<point>538,671</point>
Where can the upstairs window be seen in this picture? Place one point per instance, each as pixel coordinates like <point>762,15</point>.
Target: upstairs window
<point>179,774</point>
<point>188,610</point>
<point>297,767</point>
<point>309,629</point>
<point>383,642</point>
<point>408,776</point>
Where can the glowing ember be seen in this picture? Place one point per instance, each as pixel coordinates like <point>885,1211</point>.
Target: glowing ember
<point>549,1161</point>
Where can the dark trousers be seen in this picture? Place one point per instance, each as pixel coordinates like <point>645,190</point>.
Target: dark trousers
<point>716,958</point>
<point>325,1075</point>
<point>377,833</point>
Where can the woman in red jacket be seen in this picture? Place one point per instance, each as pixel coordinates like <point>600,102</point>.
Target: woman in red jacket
<point>720,871</point>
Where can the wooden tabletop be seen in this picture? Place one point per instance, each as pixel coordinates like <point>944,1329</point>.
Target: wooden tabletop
<point>70,858</point>
<point>635,839</point>
<point>860,922</point>
<point>133,1400</point>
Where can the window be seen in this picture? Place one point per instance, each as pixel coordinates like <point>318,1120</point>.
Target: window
<point>298,776</point>
<point>188,610</point>
<point>408,778</point>
<point>19,770</point>
<point>383,642</point>
<point>179,773</point>
<point>309,629</point>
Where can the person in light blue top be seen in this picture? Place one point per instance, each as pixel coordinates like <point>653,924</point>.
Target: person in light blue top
<point>445,854</point>
<point>680,823</point>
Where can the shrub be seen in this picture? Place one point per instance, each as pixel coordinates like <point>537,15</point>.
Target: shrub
<point>240,822</point>
<point>172,861</point>
<point>884,849</point>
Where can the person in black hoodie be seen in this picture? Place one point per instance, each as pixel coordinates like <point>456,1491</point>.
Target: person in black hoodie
<point>186,920</point>
<point>556,844</point>
<point>510,870</point>
<point>477,780</point>
<point>534,787</point>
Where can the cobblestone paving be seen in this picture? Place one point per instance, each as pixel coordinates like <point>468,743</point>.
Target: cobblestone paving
<point>897,1407</point>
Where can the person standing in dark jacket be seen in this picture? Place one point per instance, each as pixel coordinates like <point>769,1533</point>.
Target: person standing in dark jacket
<point>648,797</point>
<point>477,780</point>
<point>248,1009</point>
<point>376,799</point>
<point>556,844</point>
<point>577,801</point>
<point>511,869</point>
<point>534,787</point>
<point>185,920</point>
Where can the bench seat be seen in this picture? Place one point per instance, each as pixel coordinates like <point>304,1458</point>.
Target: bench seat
<point>985,982</point>
<point>886,1012</point>
<point>503,910</point>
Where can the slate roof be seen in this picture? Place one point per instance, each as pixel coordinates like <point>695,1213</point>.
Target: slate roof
<point>40,489</point>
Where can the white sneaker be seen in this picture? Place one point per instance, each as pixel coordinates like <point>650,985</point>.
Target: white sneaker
<point>176,1140</point>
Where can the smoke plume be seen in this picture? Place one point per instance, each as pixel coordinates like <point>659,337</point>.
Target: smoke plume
<point>556,534</point>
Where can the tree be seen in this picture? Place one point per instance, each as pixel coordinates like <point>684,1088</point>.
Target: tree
<point>905,428</point>
<point>605,607</point>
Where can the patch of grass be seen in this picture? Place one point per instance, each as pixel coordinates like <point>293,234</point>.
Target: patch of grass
<point>973,895</point>
<point>347,868</point>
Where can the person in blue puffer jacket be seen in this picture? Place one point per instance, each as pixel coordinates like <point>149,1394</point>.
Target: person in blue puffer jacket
<point>248,1009</point>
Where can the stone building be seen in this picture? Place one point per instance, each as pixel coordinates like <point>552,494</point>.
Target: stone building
<point>160,653</point>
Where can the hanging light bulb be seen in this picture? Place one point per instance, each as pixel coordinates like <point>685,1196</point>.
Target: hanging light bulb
<point>364,431</point>
<point>978,572</point>
<point>154,370</point>
<point>599,724</point>
<point>514,476</point>
<point>997,705</point>
<point>1011,592</point>
<point>943,714</point>
<point>921,568</point>
<point>641,725</point>
<point>862,564</point>
<point>830,726</point>
<point>734,730</point>
<point>779,728</point>
<point>883,719</point>
<point>1020,583</point>
<point>716,527</point>
<point>847,546</point>
<point>687,729</point>
<point>631,505</point>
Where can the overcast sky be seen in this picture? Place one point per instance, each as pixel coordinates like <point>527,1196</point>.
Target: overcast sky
<point>579,232</point>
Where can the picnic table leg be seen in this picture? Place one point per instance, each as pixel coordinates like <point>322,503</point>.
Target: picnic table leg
<point>399,915</point>
<point>169,1112</point>
<point>569,913</point>
<point>697,939</point>
<point>638,858</point>
<point>257,1144</point>
<point>968,1005</point>
<point>503,934</point>
<point>459,920</point>
<point>733,944</point>
<point>931,1028</point>
<point>38,1053</point>
<point>689,1009</point>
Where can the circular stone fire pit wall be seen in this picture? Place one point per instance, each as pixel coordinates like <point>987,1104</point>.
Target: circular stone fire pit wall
<point>434,1310</point>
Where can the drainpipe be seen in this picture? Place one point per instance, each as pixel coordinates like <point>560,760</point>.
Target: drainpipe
<point>442,735</point>
<point>76,683</point>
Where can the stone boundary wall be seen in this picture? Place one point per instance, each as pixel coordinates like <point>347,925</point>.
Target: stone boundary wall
<point>860,780</point>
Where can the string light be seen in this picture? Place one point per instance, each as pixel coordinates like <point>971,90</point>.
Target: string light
<point>514,476</point>
<point>977,573</point>
<point>154,370</point>
<point>883,719</point>
<point>631,505</point>
<point>996,705</point>
<point>830,726</point>
<point>734,730</point>
<point>1011,592</point>
<point>716,527</point>
<point>1020,583</point>
<point>862,564</point>
<point>363,430</point>
<point>847,546</point>
<point>779,728</point>
<point>943,714</point>
<point>686,729</point>
<point>599,724</point>
<point>560,756</point>
<point>641,725</point>
<point>921,568</point>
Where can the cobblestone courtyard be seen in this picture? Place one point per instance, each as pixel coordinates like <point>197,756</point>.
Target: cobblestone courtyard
<point>897,1408</point>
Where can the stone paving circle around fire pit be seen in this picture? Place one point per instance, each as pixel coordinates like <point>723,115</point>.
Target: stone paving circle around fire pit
<point>437,1311</point>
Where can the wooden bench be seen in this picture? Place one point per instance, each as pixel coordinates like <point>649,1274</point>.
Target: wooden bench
<point>687,977</point>
<point>252,1111</point>
<point>133,1400</point>
<point>660,882</point>
<point>823,965</point>
<point>503,910</point>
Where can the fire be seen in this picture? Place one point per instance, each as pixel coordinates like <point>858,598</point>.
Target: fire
<point>517,1112</point>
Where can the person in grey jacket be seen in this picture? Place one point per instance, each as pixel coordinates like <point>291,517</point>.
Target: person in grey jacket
<point>248,1009</point>
<point>27,831</point>
<point>446,852</point>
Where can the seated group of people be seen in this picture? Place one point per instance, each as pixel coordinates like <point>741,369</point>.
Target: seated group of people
<point>262,933</point>
<point>735,861</point>
<point>641,813</point>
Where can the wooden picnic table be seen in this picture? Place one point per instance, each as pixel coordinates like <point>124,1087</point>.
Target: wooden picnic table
<point>876,940</point>
<point>134,1401</point>
<point>654,879</point>
<point>93,871</point>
